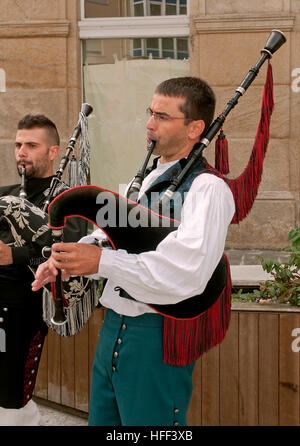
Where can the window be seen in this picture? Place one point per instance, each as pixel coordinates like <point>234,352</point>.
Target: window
<point>159,7</point>
<point>129,46</point>
<point>132,8</point>
<point>163,48</point>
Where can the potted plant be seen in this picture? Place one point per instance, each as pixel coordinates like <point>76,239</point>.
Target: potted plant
<point>285,285</point>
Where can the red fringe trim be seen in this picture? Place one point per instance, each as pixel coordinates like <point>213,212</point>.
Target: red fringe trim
<point>245,187</point>
<point>185,340</point>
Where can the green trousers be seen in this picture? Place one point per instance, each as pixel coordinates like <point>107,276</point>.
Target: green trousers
<point>131,385</point>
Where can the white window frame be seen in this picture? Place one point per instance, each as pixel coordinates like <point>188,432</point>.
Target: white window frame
<point>133,27</point>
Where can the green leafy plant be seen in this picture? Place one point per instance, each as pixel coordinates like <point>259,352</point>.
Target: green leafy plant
<point>285,285</point>
<point>244,295</point>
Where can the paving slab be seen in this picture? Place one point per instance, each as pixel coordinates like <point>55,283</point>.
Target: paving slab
<point>248,275</point>
<point>51,416</point>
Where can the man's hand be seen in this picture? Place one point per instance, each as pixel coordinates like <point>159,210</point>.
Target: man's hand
<point>79,259</point>
<point>5,254</point>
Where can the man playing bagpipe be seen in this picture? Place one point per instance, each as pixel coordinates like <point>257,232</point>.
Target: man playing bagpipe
<point>136,379</point>
<point>168,293</point>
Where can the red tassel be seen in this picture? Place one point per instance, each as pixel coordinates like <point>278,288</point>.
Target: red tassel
<point>221,154</point>
<point>245,187</point>
<point>185,340</point>
<point>53,291</point>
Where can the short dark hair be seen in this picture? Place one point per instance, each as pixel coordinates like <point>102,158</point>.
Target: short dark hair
<point>200,100</point>
<point>40,121</point>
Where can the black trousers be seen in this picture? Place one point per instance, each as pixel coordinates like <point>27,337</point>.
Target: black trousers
<point>22,334</point>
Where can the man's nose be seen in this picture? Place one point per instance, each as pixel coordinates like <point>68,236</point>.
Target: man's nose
<point>22,152</point>
<point>151,123</point>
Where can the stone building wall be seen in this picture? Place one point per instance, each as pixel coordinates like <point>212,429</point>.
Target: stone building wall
<point>40,62</point>
<point>40,55</point>
<point>226,39</point>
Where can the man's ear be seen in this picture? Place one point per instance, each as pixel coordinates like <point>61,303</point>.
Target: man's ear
<point>53,152</point>
<point>195,129</point>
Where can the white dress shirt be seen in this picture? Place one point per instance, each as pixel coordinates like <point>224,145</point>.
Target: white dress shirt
<point>182,263</point>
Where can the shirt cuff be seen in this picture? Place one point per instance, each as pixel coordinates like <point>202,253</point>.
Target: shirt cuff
<point>88,239</point>
<point>105,263</point>
<point>20,255</point>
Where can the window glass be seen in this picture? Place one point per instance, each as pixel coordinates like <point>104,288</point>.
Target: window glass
<point>138,10</point>
<point>155,9</point>
<point>133,8</point>
<point>120,76</point>
<point>168,48</point>
<point>99,51</point>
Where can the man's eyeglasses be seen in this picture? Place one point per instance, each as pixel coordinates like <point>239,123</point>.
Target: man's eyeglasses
<point>163,117</point>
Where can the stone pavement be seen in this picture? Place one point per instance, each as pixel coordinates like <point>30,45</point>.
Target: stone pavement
<point>245,266</point>
<point>252,256</point>
<point>53,416</point>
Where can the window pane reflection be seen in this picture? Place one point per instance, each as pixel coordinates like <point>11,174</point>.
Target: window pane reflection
<point>133,8</point>
<point>101,51</point>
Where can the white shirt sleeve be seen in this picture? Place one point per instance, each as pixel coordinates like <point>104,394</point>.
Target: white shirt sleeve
<point>97,234</point>
<point>184,261</point>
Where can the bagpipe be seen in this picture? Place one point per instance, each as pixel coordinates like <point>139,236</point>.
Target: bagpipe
<point>204,317</point>
<point>28,225</point>
<point>208,313</point>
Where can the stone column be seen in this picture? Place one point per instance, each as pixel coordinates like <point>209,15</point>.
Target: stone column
<point>40,56</point>
<point>226,39</point>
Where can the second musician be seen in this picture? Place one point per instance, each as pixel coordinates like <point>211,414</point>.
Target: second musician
<point>21,323</point>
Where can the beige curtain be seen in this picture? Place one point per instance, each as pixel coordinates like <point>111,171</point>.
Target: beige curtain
<point>120,94</point>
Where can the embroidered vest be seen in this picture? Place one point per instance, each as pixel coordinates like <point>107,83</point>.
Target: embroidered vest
<point>187,339</point>
<point>158,187</point>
